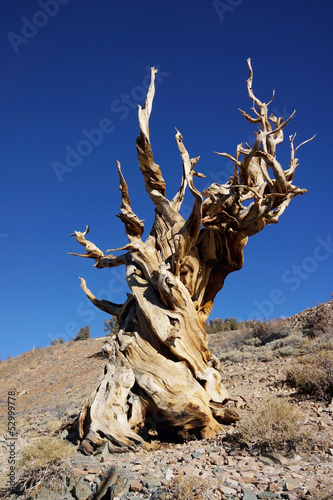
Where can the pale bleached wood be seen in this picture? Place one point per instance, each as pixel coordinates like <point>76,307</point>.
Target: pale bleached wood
<point>134,226</point>
<point>160,373</point>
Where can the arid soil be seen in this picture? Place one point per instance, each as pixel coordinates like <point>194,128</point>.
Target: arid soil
<point>53,383</point>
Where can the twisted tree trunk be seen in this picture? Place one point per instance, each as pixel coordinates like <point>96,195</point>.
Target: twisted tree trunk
<point>160,373</point>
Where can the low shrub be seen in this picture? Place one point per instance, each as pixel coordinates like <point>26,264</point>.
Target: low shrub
<point>252,342</point>
<point>235,339</point>
<point>285,351</point>
<point>270,330</point>
<point>313,345</point>
<point>313,375</point>
<point>42,463</point>
<point>294,340</point>
<point>265,356</point>
<point>235,356</point>
<point>276,425</point>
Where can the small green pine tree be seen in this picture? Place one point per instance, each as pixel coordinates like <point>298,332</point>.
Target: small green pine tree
<point>83,334</point>
<point>111,326</point>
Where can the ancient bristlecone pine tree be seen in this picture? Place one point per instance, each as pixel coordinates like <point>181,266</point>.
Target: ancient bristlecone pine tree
<point>160,373</point>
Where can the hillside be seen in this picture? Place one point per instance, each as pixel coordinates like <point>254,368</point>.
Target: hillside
<point>52,384</point>
<point>53,380</point>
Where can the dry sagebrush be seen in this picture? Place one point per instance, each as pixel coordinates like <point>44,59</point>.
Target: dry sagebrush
<point>190,488</point>
<point>276,425</point>
<point>313,375</point>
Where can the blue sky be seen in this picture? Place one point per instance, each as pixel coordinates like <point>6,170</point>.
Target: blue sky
<point>72,75</point>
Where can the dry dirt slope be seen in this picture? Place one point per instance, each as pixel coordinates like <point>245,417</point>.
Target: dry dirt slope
<point>54,380</point>
<point>53,383</point>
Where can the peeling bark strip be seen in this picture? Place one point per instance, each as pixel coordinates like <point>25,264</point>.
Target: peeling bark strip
<point>160,372</point>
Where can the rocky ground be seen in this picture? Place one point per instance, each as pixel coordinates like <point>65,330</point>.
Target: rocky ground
<point>218,468</point>
<point>230,474</point>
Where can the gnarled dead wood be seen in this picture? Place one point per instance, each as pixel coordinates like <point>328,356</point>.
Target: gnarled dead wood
<point>160,373</point>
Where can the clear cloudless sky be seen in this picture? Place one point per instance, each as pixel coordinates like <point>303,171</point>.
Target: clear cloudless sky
<point>71,67</point>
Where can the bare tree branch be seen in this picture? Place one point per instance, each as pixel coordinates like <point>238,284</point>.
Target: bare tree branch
<point>93,251</point>
<point>134,226</point>
<point>104,305</point>
<point>154,182</point>
<point>188,235</point>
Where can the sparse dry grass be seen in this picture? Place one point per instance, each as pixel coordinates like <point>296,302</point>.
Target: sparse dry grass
<point>276,425</point>
<point>44,451</point>
<point>52,425</point>
<point>191,488</point>
<point>42,463</point>
<point>325,495</point>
